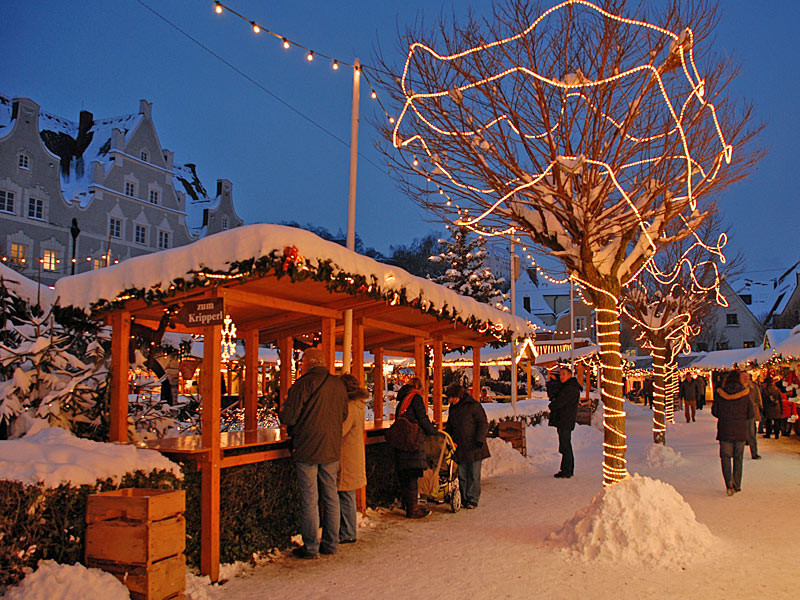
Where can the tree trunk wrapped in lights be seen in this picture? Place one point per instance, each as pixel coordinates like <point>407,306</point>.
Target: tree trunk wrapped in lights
<point>581,131</point>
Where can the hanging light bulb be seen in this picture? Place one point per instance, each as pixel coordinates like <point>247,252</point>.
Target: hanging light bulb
<point>391,119</point>
<point>310,56</point>
<point>218,8</point>
<point>286,43</point>
<point>416,162</point>
<point>335,65</point>
<point>373,95</point>
<point>256,28</point>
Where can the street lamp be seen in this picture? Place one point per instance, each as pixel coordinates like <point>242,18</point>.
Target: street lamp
<point>75,231</point>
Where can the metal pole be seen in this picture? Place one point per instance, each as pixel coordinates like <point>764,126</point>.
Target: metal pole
<point>347,342</point>
<point>571,325</point>
<point>513,339</point>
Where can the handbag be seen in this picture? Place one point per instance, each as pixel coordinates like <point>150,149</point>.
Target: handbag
<point>403,434</point>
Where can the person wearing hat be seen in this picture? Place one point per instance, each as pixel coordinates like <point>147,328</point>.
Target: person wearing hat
<point>353,473</point>
<point>468,426</point>
<point>316,407</point>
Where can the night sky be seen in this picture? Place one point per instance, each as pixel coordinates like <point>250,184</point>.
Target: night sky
<point>103,56</point>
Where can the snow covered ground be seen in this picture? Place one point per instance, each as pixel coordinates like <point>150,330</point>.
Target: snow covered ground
<point>501,549</point>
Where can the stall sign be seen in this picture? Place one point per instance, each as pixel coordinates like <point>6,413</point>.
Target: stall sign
<point>202,313</point>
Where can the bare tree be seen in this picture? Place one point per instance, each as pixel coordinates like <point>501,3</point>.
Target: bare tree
<point>582,130</point>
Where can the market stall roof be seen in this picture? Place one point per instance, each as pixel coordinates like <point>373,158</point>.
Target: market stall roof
<point>684,360</point>
<point>725,359</point>
<point>563,356</point>
<point>788,348</point>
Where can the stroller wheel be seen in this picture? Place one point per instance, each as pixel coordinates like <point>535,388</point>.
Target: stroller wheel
<point>455,497</point>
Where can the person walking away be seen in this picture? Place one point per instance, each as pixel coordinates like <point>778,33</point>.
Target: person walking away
<point>700,382</point>
<point>410,465</point>
<point>353,473</point>
<point>315,409</point>
<point>773,408</point>
<point>563,413</point>
<point>755,398</point>
<point>689,396</point>
<point>647,390</point>
<point>468,426</point>
<point>733,409</point>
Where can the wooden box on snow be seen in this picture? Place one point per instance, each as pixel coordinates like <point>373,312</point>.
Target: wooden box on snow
<point>139,536</point>
<point>514,433</point>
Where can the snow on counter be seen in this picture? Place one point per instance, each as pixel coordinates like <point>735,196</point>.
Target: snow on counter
<point>498,410</point>
<point>52,581</point>
<point>54,456</point>
<point>217,252</point>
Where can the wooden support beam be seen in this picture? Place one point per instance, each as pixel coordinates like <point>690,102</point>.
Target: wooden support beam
<point>476,372</point>
<point>278,321</point>
<point>120,359</point>
<point>386,340</point>
<point>263,301</point>
<point>528,372</point>
<point>357,367</point>
<point>285,347</point>
<point>210,387</point>
<point>419,366</point>
<point>395,328</point>
<point>251,380</point>
<point>438,348</point>
<point>377,386</point>
<point>328,343</point>
<point>372,311</point>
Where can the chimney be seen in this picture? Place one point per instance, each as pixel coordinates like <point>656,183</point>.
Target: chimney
<point>145,108</point>
<point>169,157</point>
<point>117,139</point>
<point>96,172</point>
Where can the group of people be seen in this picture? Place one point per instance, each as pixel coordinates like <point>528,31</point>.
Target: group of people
<point>324,415</point>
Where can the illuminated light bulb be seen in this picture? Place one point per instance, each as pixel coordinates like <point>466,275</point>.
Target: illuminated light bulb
<point>391,119</point>
<point>373,95</point>
<point>335,66</point>
<point>256,28</point>
<point>310,56</point>
<point>286,43</point>
<point>218,8</point>
<point>416,162</point>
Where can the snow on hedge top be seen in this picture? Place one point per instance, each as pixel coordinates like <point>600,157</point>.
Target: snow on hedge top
<point>217,253</point>
<point>54,456</point>
<point>25,288</point>
<point>52,581</point>
<point>638,520</point>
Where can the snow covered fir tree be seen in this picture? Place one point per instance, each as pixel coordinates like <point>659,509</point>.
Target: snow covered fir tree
<point>464,257</point>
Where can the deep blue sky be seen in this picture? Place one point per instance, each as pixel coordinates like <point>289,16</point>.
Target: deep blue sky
<point>103,56</point>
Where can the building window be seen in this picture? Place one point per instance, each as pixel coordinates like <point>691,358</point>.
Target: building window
<point>19,253</point>
<point>35,208</point>
<point>747,298</point>
<point>130,189</point>
<point>163,239</point>
<point>722,346</point>
<point>98,263</point>
<point>749,344</point>
<point>153,197</point>
<point>143,155</point>
<point>224,222</point>
<point>6,201</point>
<point>23,161</point>
<point>731,319</point>
<point>115,227</point>
<point>140,235</point>
<point>526,303</point>
<point>50,260</point>
<point>580,323</point>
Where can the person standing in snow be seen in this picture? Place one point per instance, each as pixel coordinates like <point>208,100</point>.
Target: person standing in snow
<point>773,408</point>
<point>315,409</point>
<point>733,409</point>
<point>563,413</point>
<point>700,382</point>
<point>647,390</point>
<point>468,426</point>
<point>352,475</point>
<point>689,396</point>
<point>410,465</point>
<point>755,398</point>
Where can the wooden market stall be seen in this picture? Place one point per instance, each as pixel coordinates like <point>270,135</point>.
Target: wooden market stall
<point>274,293</point>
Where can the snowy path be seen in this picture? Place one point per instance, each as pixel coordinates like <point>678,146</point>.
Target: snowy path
<point>499,550</point>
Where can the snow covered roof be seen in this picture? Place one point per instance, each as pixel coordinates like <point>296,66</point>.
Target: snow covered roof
<point>157,274</point>
<point>769,297</point>
<point>197,199</point>
<point>773,337</point>
<point>26,288</point>
<point>564,355</point>
<point>725,359</point>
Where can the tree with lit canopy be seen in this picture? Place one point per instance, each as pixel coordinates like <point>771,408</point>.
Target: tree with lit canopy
<point>587,131</point>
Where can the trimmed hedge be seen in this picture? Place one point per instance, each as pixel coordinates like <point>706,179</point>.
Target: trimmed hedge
<point>529,420</point>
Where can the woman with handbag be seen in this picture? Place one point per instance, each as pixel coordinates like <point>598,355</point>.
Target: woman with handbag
<point>411,463</point>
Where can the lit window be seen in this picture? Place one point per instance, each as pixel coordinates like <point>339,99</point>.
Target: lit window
<point>580,323</point>
<point>153,197</point>
<point>143,155</point>
<point>163,239</point>
<point>50,260</point>
<point>19,253</point>
<point>224,222</point>
<point>115,228</point>
<point>98,263</point>
<point>130,189</point>
<point>35,208</point>
<point>6,201</point>
<point>140,235</point>
<point>749,344</point>
<point>23,162</point>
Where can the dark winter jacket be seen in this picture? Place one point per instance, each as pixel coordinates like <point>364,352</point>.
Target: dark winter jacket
<point>691,390</point>
<point>416,413</point>
<point>732,407</point>
<point>564,406</point>
<point>467,425</point>
<point>314,420</point>
<point>772,402</point>
<point>701,392</point>
<point>755,397</point>
<point>552,388</point>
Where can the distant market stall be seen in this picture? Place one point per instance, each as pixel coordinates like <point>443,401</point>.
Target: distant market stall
<point>275,283</point>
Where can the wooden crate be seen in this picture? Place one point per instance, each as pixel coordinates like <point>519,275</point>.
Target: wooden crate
<point>139,536</point>
<point>514,433</point>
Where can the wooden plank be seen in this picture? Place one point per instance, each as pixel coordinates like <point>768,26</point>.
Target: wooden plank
<point>328,343</point>
<point>120,344</point>
<point>476,372</point>
<point>210,435</point>
<point>164,579</point>
<point>529,375</point>
<point>377,386</point>
<point>419,366</point>
<point>265,301</point>
<point>134,542</point>
<point>358,351</point>
<point>437,381</point>
<point>135,504</point>
<point>395,328</point>
<point>251,379</point>
<point>254,457</point>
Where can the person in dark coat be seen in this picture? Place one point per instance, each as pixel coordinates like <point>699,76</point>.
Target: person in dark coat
<point>689,393</point>
<point>733,409</point>
<point>563,413</point>
<point>410,465</point>
<point>647,390</point>
<point>773,408</point>
<point>700,382</point>
<point>468,426</point>
<point>754,393</point>
<point>315,408</point>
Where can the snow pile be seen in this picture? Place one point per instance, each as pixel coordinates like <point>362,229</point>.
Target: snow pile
<point>638,520</point>
<point>52,581</point>
<point>54,456</point>
<point>658,455</point>
<point>504,459</point>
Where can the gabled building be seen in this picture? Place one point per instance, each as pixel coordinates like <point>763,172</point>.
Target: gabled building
<point>729,327</point>
<point>76,196</point>
<point>776,302</point>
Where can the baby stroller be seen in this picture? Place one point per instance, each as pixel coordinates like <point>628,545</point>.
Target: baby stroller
<point>439,482</point>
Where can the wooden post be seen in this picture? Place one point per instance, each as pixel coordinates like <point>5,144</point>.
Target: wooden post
<point>476,373</point>
<point>210,389</point>
<point>588,380</point>
<point>285,347</point>
<point>251,380</point>
<point>530,377</point>
<point>120,359</point>
<point>377,386</point>
<point>357,368</point>
<point>438,351</point>
<point>328,343</point>
<point>419,366</point>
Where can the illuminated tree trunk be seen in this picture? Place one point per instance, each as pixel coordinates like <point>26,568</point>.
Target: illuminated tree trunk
<point>673,387</point>
<point>659,394</point>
